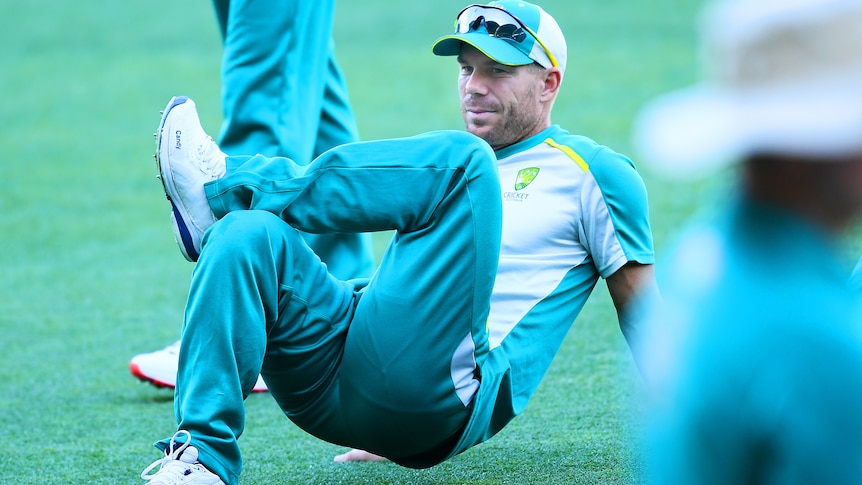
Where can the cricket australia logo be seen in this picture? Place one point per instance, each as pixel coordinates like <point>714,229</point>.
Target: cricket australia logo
<point>524,178</point>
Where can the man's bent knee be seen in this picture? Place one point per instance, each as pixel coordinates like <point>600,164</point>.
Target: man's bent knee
<point>247,230</point>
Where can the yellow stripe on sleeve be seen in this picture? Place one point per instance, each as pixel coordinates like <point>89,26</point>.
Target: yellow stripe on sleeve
<point>571,153</point>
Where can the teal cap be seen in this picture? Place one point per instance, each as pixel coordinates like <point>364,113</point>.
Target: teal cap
<point>511,32</point>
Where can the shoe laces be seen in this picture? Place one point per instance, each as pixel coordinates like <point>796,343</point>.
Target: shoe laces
<point>171,469</point>
<point>212,158</point>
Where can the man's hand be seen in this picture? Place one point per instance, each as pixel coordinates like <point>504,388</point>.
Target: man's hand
<point>357,455</point>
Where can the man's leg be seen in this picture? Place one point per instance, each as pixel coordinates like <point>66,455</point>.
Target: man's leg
<point>256,277</point>
<point>284,95</point>
<point>274,74</point>
<point>408,371</point>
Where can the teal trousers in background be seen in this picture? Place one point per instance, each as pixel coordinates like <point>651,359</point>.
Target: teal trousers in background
<point>389,366</point>
<point>284,95</point>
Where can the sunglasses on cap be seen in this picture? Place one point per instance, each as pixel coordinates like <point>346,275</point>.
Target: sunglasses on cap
<point>500,24</point>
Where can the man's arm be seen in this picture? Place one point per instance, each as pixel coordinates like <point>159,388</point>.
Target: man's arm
<point>633,282</point>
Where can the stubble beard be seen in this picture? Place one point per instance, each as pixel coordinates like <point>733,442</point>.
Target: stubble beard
<point>512,126</point>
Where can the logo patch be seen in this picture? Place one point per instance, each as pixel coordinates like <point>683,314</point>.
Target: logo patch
<point>525,177</point>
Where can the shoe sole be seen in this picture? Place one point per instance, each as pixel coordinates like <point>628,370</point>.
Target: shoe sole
<point>183,235</point>
<point>136,371</point>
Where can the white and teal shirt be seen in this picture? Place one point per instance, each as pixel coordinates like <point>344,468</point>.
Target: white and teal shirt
<point>573,210</point>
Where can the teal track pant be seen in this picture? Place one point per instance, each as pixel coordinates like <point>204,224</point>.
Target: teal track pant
<point>389,366</point>
<point>284,95</point>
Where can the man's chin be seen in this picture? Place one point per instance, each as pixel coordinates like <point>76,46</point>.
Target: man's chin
<point>482,131</point>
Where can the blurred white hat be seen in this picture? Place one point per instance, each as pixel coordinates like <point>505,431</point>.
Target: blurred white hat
<point>783,76</point>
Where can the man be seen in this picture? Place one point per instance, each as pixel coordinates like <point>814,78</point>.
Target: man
<point>283,95</point>
<point>485,275</point>
<point>757,355</point>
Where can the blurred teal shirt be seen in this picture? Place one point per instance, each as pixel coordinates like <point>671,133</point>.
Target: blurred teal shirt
<point>755,360</point>
<point>856,277</point>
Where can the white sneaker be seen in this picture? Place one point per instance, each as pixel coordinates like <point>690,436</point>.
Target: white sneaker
<point>160,368</point>
<point>180,466</point>
<point>187,159</point>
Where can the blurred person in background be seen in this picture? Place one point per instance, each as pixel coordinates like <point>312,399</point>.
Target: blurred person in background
<point>754,359</point>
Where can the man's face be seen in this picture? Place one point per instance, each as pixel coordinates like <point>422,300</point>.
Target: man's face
<point>500,104</point>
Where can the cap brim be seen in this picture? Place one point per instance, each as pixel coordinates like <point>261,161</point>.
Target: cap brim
<point>497,49</point>
<point>696,131</point>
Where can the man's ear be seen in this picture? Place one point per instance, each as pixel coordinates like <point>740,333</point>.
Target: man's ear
<point>552,81</point>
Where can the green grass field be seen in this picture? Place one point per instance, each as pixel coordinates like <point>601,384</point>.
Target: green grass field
<point>90,274</point>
